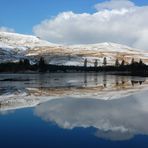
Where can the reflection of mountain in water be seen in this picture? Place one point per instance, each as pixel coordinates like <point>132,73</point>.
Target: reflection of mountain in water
<point>118,119</point>
<point>60,84</point>
<point>17,91</point>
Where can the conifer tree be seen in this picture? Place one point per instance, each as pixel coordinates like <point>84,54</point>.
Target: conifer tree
<point>42,65</point>
<point>85,63</point>
<point>117,63</point>
<point>122,63</point>
<point>104,61</point>
<point>96,63</point>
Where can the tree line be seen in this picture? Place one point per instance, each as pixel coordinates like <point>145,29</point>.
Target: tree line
<point>24,65</point>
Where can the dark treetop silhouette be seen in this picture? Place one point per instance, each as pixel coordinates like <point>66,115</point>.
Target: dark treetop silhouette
<point>134,68</point>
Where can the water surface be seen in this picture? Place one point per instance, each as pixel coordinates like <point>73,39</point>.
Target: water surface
<point>73,110</point>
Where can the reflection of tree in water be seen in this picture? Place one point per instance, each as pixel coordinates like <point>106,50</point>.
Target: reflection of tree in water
<point>89,80</point>
<point>123,80</point>
<point>42,81</point>
<point>96,78</point>
<point>104,80</point>
<point>133,82</point>
<point>140,82</point>
<point>117,81</point>
<point>85,79</point>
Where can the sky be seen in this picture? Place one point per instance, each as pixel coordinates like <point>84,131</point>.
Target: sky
<point>78,21</point>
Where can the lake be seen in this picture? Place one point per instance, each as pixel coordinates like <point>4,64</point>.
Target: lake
<point>71,110</point>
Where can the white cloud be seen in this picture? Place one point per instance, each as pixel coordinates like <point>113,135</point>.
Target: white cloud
<point>114,21</point>
<point>6,29</point>
<point>115,4</point>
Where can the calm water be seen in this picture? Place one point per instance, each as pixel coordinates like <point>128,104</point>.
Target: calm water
<point>73,110</point>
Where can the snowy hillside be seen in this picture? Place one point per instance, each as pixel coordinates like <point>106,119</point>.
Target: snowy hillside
<point>14,46</point>
<point>17,40</point>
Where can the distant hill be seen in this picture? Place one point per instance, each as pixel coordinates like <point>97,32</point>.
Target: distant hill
<point>14,46</point>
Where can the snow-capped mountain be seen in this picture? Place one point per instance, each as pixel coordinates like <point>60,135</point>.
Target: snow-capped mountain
<point>18,40</point>
<point>14,46</point>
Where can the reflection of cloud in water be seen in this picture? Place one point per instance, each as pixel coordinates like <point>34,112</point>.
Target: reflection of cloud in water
<point>114,135</point>
<point>7,112</point>
<point>114,119</point>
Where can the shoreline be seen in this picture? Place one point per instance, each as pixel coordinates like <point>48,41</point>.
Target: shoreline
<point>126,73</point>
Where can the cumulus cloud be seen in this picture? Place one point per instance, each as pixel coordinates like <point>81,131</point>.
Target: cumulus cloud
<point>119,21</point>
<point>6,29</point>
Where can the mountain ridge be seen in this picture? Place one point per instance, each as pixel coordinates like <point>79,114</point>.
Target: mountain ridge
<point>14,46</point>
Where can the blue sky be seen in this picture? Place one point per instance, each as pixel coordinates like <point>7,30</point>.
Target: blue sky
<point>78,21</point>
<point>22,15</point>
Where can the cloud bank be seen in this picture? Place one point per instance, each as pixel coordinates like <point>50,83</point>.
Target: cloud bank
<point>119,21</point>
<point>6,29</point>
